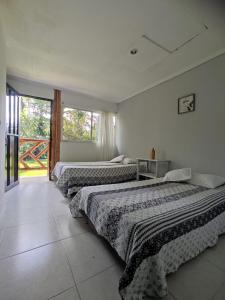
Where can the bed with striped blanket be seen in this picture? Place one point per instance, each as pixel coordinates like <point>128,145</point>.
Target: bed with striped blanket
<point>154,226</point>
<point>73,177</point>
<point>61,166</point>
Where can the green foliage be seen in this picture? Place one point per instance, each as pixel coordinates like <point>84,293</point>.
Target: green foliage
<point>35,171</point>
<point>34,164</point>
<point>32,173</point>
<point>35,118</point>
<point>79,125</point>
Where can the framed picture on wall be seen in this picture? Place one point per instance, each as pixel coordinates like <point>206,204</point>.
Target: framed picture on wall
<point>186,104</point>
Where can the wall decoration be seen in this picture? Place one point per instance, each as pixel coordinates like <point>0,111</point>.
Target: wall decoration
<point>186,104</point>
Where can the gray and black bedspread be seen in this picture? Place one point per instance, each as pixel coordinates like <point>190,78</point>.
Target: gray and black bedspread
<point>61,166</point>
<point>73,178</point>
<point>154,226</point>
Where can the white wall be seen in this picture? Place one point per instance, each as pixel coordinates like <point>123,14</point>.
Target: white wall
<point>194,139</point>
<point>2,110</point>
<point>70,151</point>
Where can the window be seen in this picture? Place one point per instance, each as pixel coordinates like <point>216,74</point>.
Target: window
<point>79,125</point>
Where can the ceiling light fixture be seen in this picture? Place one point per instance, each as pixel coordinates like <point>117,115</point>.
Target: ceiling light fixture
<point>133,51</point>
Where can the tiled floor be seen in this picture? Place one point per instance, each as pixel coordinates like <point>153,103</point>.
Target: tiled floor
<point>46,254</point>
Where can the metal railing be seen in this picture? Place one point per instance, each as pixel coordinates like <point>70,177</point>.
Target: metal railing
<point>33,153</point>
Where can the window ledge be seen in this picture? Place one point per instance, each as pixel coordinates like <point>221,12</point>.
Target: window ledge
<point>78,141</point>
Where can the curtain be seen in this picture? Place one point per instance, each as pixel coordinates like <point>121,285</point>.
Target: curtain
<point>106,136</point>
<point>54,155</point>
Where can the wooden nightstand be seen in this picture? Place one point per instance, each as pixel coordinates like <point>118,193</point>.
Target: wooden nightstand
<point>151,168</point>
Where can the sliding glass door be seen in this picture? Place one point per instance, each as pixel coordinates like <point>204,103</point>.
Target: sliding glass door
<point>12,137</point>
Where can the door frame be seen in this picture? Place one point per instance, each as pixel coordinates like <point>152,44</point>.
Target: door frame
<point>8,185</point>
<point>50,137</point>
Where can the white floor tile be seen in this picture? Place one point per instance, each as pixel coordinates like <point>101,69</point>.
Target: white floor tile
<point>32,202</point>
<point>68,226</point>
<point>29,203</point>
<point>220,294</point>
<point>198,279</point>
<point>21,216</point>
<point>88,255</point>
<point>216,254</point>
<point>70,294</point>
<point>21,238</point>
<point>103,286</point>
<point>35,275</point>
<point>44,273</point>
<point>168,297</point>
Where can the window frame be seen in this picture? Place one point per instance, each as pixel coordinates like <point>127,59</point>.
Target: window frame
<point>78,140</point>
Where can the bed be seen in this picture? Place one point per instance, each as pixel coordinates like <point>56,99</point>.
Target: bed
<point>154,226</point>
<point>61,166</point>
<point>71,177</point>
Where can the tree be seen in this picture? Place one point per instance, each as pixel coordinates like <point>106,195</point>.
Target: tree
<point>35,118</point>
<point>79,125</point>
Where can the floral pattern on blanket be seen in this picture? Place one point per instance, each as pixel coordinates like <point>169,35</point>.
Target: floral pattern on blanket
<point>154,226</point>
<point>74,178</point>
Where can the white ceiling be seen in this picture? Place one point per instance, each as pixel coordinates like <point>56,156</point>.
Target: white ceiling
<point>84,45</point>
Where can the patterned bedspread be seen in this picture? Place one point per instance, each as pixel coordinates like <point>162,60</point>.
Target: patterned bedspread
<point>154,226</point>
<point>60,166</point>
<point>74,177</point>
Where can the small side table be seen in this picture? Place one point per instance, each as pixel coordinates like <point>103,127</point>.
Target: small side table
<point>152,168</point>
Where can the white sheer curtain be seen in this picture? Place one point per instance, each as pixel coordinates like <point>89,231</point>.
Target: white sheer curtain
<point>106,136</point>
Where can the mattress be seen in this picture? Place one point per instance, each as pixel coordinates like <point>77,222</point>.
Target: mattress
<point>73,178</point>
<point>154,226</point>
<point>61,166</point>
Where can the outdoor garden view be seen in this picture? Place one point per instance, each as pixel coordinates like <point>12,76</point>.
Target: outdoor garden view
<point>35,117</point>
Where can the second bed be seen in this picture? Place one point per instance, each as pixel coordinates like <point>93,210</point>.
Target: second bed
<point>71,177</point>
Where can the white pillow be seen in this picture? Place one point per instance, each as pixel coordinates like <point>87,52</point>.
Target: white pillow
<point>117,159</point>
<point>207,180</point>
<point>128,161</point>
<point>178,175</point>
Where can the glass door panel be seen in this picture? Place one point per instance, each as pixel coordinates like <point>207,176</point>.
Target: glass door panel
<point>12,137</point>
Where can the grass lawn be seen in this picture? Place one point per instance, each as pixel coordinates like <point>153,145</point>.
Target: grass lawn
<point>33,173</point>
